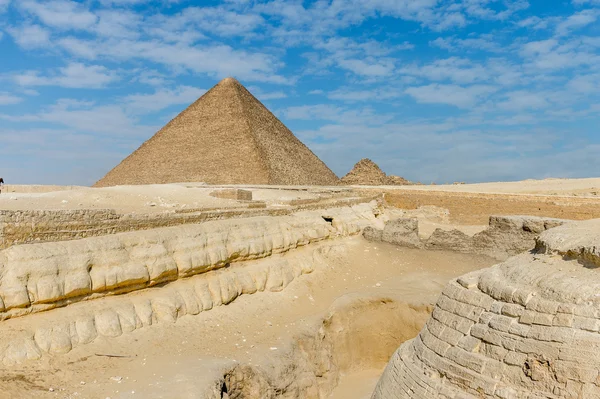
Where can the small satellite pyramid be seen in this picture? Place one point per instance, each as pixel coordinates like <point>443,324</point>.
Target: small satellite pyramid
<point>226,137</point>
<point>367,173</point>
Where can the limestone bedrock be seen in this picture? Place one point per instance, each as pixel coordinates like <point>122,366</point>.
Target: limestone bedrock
<point>42,276</point>
<point>505,236</point>
<point>525,328</point>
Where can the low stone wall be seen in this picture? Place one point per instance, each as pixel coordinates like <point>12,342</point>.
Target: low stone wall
<point>37,277</point>
<point>34,226</point>
<point>506,236</point>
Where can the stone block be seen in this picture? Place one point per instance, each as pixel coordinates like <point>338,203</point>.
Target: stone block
<point>372,234</point>
<point>233,193</point>
<point>403,232</point>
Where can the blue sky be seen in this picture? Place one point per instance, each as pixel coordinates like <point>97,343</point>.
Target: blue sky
<point>432,90</point>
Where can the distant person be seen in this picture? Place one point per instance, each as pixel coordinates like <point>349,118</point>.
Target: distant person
<point>1,184</point>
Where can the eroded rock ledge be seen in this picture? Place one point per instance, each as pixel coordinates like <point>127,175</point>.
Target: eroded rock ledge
<point>61,330</point>
<point>43,276</point>
<point>506,236</point>
<point>526,328</point>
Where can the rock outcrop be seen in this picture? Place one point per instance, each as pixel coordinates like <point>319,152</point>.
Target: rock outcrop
<point>367,173</point>
<point>525,328</point>
<point>37,277</point>
<point>506,236</point>
<point>62,330</point>
<point>71,292</point>
<point>403,232</point>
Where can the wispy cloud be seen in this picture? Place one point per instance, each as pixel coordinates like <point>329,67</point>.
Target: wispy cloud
<point>61,14</point>
<point>8,99</point>
<point>75,75</point>
<point>463,97</point>
<point>30,36</point>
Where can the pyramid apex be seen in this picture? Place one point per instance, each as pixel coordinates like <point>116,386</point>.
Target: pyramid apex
<point>228,81</point>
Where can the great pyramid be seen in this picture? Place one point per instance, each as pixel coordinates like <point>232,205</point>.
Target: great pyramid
<point>226,137</point>
<point>367,173</point>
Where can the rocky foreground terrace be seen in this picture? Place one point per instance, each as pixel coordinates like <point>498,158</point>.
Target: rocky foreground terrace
<point>197,291</point>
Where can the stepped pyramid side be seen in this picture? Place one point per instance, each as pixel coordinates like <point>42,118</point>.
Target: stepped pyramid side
<point>365,172</point>
<point>288,160</point>
<point>226,137</point>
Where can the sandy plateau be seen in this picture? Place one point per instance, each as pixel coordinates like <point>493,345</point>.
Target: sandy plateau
<point>200,291</point>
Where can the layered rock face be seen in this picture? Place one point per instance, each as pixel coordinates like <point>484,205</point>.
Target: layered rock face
<point>506,236</point>
<point>67,289</point>
<point>525,328</point>
<point>42,276</point>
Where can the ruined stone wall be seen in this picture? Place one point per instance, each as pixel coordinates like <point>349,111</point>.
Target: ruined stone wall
<point>34,226</point>
<point>506,236</point>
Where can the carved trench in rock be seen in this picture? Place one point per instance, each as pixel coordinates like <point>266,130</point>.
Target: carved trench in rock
<point>344,342</point>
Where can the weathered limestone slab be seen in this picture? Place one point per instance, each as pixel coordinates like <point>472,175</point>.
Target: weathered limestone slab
<point>35,226</point>
<point>233,193</point>
<point>42,276</point>
<point>61,330</point>
<point>530,327</point>
<point>506,236</point>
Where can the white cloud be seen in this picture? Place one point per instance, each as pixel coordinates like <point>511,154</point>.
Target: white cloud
<point>458,70</point>
<point>463,97</point>
<point>264,96</point>
<point>4,5</point>
<point>369,68</point>
<point>589,83</point>
<point>380,94</point>
<point>61,14</point>
<point>86,117</point>
<point>536,22</point>
<point>578,20</point>
<point>218,20</point>
<point>329,112</point>
<point>583,2</point>
<point>74,75</point>
<point>539,47</point>
<point>552,54</point>
<point>216,60</point>
<point>9,99</point>
<point>134,2</point>
<point>523,100</point>
<point>118,23</point>
<point>150,77</point>
<point>160,99</point>
<point>30,36</point>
